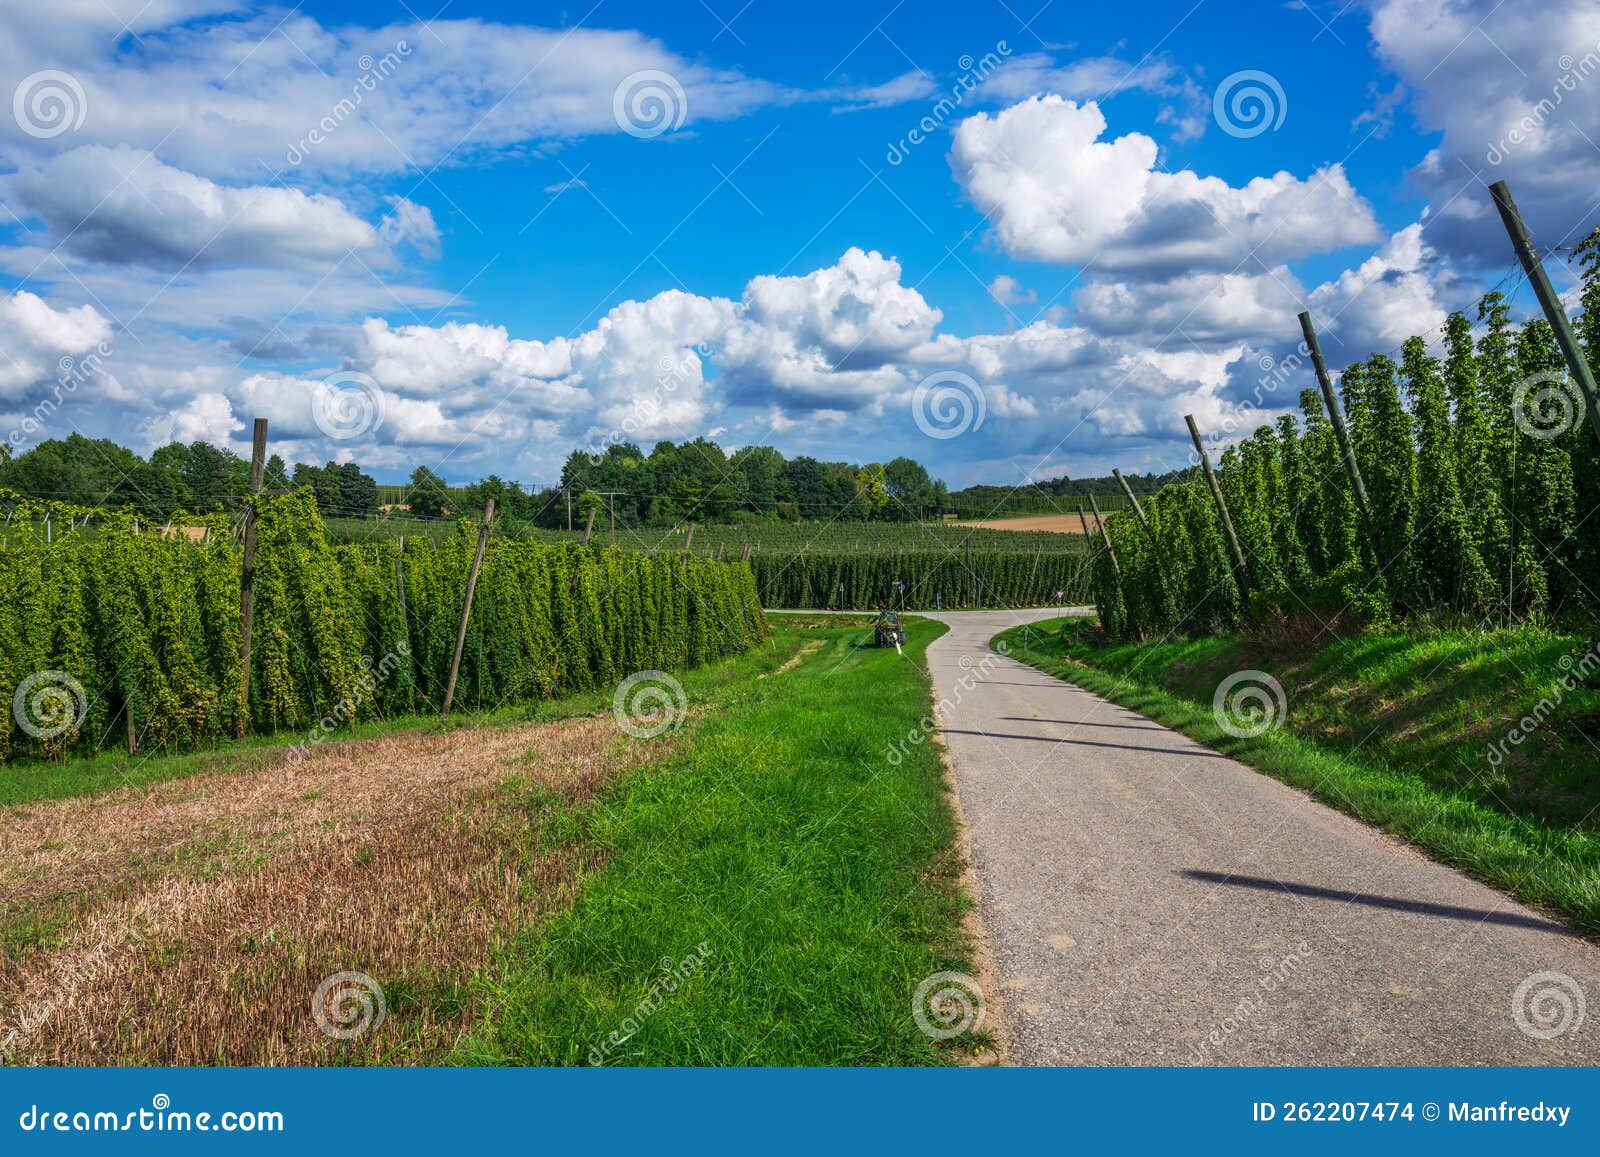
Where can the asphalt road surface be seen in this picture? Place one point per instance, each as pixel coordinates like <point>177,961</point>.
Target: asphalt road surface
<point>1150,902</point>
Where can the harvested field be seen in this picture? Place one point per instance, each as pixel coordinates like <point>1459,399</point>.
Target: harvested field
<point>191,922</point>
<point>1052,523</point>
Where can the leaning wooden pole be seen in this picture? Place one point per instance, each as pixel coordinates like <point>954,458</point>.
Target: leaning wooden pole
<point>466,606</point>
<point>247,574</point>
<point>1341,434</point>
<point>1241,573</point>
<point>1137,509</point>
<point>1554,313</point>
<point>589,530</point>
<point>1084,518</point>
<point>1105,537</point>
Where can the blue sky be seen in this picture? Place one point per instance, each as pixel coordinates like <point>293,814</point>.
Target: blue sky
<point>488,257</point>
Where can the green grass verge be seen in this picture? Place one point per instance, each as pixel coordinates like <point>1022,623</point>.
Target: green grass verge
<point>1394,729</point>
<point>773,891</point>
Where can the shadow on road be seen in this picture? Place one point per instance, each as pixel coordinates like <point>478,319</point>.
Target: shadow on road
<point>1421,907</point>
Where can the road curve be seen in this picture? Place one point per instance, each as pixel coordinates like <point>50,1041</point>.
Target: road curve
<point>1151,902</point>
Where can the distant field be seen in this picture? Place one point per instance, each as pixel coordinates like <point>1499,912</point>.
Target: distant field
<point>1050,523</point>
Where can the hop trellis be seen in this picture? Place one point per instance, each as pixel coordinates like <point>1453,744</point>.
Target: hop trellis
<point>1483,506</point>
<point>148,624</point>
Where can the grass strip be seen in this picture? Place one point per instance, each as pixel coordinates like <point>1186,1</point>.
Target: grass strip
<point>774,891</point>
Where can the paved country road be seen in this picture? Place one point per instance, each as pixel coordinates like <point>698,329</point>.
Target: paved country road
<point>1149,901</point>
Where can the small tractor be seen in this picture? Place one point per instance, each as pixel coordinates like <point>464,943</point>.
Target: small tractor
<point>887,631</point>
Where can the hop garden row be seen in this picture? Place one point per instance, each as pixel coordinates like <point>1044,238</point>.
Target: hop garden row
<point>100,629</point>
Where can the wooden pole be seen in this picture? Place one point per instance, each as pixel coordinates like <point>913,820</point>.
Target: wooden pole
<point>400,587</point>
<point>1137,509</point>
<point>247,575</point>
<point>1084,518</point>
<point>1554,313</point>
<point>689,540</point>
<point>1240,571</point>
<point>1336,415</point>
<point>1105,537</point>
<point>589,530</point>
<point>569,509</point>
<point>466,605</point>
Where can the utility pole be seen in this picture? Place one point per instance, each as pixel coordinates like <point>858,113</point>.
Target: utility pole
<point>1241,572</point>
<point>466,605</point>
<point>611,506</point>
<point>1342,434</point>
<point>1548,301</point>
<point>247,574</point>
